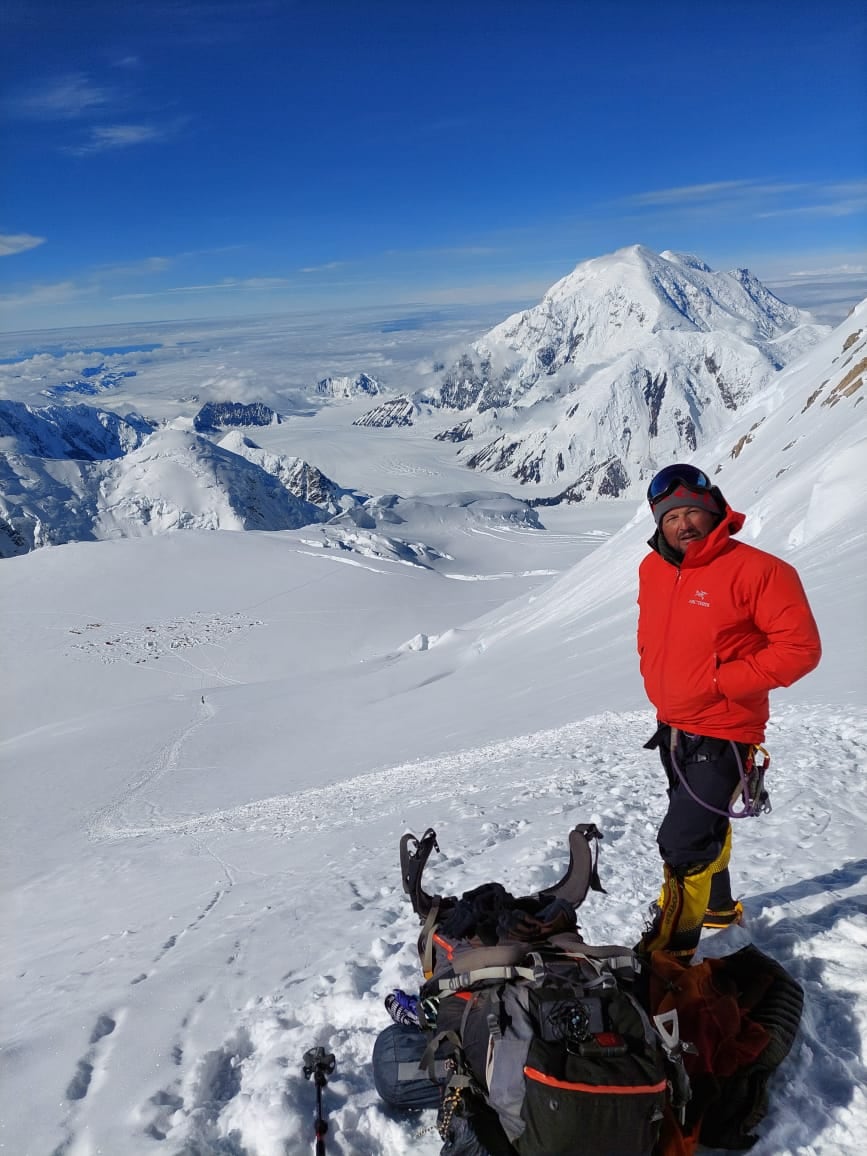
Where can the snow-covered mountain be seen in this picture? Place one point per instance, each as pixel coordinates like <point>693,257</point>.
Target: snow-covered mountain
<point>360,386</point>
<point>632,360</point>
<point>69,431</point>
<point>177,480</point>
<point>174,479</point>
<point>65,476</point>
<point>300,478</point>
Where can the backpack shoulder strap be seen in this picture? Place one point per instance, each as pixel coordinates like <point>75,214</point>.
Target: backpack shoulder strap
<point>414,854</point>
<point>582,874</point>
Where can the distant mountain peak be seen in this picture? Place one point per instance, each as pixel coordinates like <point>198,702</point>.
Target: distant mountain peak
<point>630,360</point>
<point>361,385</point>
<point>75,473</point>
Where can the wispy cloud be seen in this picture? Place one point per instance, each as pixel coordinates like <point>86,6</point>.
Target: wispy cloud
<point>58,293</point>
<point>11,243</point>
<point>65,97</point>
<point>244,284</point>
<point>845,270</point>
<point>146,265</point>
<point>836,200</point>
<point>104,137</point>
<point>684,194</point>
<point>75,97</point>
<point>761,198</point>
<point>820,271</point>
<point>326,268</point>
<point>446,251</point>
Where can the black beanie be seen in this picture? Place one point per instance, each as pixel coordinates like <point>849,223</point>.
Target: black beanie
<point>683,496</point>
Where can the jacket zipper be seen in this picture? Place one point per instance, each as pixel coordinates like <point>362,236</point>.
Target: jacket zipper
<point>664,664</point>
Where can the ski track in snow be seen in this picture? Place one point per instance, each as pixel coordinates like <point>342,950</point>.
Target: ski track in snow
<point>104,823</point>
<point>247,1096</point>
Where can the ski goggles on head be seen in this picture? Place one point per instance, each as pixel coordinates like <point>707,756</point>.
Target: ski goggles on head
<point>671,477</point>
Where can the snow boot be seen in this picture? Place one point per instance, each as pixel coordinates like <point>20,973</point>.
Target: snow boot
<point>676,927</point>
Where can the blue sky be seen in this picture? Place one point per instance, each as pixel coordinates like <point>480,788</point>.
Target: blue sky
<point>181,159</point>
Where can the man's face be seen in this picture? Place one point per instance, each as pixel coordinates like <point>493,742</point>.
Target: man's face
<point>686,524</point>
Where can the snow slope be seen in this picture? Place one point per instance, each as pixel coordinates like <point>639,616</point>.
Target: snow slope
<point>213,742</point>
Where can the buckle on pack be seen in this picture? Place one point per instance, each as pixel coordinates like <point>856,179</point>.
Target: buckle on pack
<point>603,1044</point>
<point>427,1011</point>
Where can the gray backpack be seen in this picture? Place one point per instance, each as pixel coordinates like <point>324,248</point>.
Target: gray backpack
<point>540,1026</point>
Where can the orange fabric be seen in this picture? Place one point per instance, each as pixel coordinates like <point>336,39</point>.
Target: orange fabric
<point>447,947</point>
<point>720,631</point>
<point>673,1140</point>
<point>710,1015</point>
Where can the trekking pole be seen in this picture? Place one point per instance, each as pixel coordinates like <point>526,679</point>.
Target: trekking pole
<point>319,1064</point>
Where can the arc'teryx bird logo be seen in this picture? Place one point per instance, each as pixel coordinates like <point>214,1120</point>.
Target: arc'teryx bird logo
<point>699,599</point>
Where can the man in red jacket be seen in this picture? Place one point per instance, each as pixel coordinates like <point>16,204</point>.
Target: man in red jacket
<point>720,624</point>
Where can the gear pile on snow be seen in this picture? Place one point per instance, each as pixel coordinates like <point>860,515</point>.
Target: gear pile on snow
<point>529,1041</point>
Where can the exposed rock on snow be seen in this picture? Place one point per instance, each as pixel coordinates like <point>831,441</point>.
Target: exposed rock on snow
<point>216,415</point>
<point>94,380</point>
<point>458,433</point>
<point>399,411</point>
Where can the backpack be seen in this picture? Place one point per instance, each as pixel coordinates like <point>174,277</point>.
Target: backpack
<point>542,1029</point>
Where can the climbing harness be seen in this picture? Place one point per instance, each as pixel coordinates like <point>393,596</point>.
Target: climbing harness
<point>751,773</point>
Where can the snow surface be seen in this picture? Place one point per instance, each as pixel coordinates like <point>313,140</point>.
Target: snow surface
<point>214,741</point>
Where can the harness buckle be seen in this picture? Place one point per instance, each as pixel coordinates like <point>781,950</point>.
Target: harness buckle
<point>756,797</point>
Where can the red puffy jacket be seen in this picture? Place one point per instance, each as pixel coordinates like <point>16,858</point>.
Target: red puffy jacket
<point>720,631</point>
